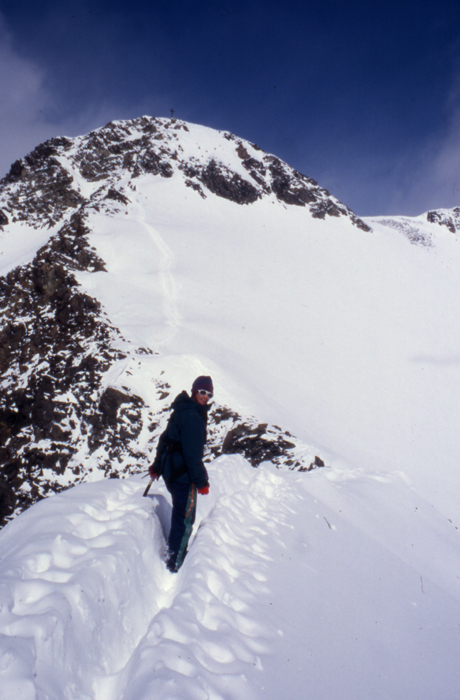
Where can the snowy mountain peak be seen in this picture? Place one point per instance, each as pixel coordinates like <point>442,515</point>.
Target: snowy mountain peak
<point>79,215</point>
<point>147,253</point>
<point>152,250</point>
<point>64,173</point>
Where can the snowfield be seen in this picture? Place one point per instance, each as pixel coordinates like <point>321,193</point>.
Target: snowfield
<point>342,582</point>
<point>294,587</point>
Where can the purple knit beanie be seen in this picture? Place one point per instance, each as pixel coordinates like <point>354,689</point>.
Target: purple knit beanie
<point>202,383</point>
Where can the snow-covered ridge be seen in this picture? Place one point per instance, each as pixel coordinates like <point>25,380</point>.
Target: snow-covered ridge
<point>64,172</point>
<point>287,579</point>
<point>97,590</point>
<point>421,230</point>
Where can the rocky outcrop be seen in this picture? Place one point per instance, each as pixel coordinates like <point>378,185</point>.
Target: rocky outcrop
<point>230,433</point>
<point>55,347</point>
<point>450,218</point>
<point>39,189</point>
<point>221,181</point>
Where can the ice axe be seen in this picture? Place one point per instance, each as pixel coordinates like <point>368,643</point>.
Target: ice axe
<point>148,487</point>
<point>156,476</point>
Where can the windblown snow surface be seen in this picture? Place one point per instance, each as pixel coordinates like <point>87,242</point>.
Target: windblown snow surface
<point>343,582</point>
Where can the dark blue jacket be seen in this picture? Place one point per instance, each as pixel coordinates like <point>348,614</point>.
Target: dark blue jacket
<point>180,448</point>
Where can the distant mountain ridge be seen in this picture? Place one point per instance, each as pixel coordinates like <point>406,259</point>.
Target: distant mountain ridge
<point>420,230</point>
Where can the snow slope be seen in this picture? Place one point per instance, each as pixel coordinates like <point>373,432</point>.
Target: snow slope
<point>294,587</point>
<point>338,582</point>
<point>348,338</point>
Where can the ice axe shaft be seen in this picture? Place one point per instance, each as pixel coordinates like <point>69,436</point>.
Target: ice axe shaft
<point>148,487</point>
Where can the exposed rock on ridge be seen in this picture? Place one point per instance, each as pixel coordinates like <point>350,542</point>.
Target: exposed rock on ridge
<point>449,218</point>
<point>55,346</point>
<point>44,185</point>
<point>421,230</point>
<point>39,189</point>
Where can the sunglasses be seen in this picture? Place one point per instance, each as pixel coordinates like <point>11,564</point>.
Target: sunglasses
<point>203,392</point>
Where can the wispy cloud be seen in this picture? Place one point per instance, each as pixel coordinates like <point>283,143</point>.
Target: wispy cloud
<point>409,182</point>
<point>429,177</point>
<point>23,98</point>
<point>28,107</point>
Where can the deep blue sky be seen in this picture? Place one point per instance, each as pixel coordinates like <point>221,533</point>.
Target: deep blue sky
<point>363,96</point>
